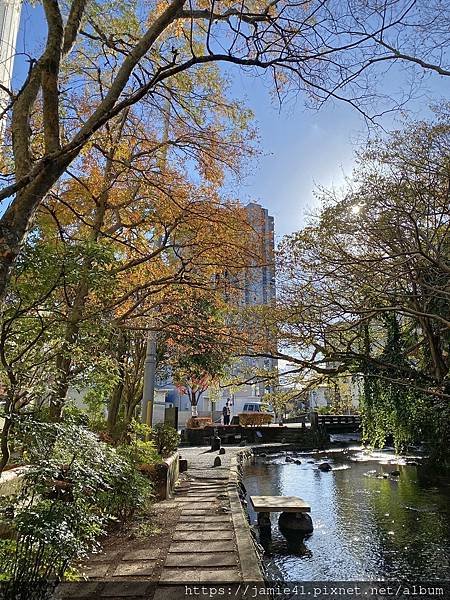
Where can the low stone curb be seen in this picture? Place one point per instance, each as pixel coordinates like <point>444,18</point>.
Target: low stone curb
<point>248,557</point>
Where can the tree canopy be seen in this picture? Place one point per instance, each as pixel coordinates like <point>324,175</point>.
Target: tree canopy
<point>366,284</point>
<point>102,57</point>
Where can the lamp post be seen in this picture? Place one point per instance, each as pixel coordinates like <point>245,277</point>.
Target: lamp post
<point>148,394</point>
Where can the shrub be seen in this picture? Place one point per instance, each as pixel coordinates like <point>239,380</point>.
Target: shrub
<point>140,447</point>
<point>166,439</point>
<point>198,422</point>
<point>254,419</point>
<point>73,487</point>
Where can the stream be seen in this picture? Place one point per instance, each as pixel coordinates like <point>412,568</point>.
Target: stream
<point>368,523</point>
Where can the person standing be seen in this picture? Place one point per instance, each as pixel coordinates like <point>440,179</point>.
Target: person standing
<point>228,406</point>
<point>226,415</point>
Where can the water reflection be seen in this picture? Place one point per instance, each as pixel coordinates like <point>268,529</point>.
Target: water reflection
<point>374,517</point>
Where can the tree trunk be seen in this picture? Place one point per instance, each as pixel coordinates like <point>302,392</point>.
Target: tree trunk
<point>114,405</point>
<point>18,218</point>
<point>439,366</point>
<point>4,443</point>
<point>64,357</point>
<point>193,398</point>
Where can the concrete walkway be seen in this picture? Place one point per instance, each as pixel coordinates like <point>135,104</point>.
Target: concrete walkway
<point>208,539</point>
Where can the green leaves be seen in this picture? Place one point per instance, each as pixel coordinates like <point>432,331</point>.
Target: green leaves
<point>166,439</point>
<point>365,286</point>
<point>73,487</point>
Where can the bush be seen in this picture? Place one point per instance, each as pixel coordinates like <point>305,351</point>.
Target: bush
<point>166,439</point>
<point>254,419</point>
<point>140,448</point>
<point>198,422</point>
<point>73,487</point>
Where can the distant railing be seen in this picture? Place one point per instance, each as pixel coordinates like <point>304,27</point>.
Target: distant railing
<point>338,419</point>
<point>303,418</point>
<point>318,420</point>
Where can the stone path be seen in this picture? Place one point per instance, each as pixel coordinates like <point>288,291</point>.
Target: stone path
<point>203,548</point>
<point>208,540</point>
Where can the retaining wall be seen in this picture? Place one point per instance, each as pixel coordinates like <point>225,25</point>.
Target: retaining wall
<point>303,438</point>
<point>11,480</point>
<point>165,476</point>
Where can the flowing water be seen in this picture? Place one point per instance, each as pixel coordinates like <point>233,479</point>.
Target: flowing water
<point>366,526</point>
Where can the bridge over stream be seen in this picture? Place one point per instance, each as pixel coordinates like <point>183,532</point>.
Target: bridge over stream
<point>331,423</point>
<point>308,430</point>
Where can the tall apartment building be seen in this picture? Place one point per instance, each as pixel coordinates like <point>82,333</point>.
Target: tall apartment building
<point>259,284</point>
<point>9,27</point>
<point>260,280</point>
<point>256,287</point>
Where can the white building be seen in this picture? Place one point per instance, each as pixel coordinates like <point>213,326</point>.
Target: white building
<point>9,27</point>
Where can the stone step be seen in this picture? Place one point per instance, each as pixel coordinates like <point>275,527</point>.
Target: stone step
<point>202,499</point>
<point>201,491</point>
<point>211,518</point>
<point>103,557</point>
<point>170,592</point>
<point>144,554</point>
<point>199,526</point>
<point>95,570</point>
<point>211,559</point>
<point>193,535</point>
<point>194,497</point>
<point>190,576</point>
<point>220,546</point>
<point>135,569</point>
<point>125,588</point>
<point>201,485</point>
<point>201,512</point>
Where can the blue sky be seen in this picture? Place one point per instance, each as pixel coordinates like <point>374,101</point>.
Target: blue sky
<point>301,148</point>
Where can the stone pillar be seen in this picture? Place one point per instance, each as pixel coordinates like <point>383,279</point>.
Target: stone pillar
<point>264,524</point>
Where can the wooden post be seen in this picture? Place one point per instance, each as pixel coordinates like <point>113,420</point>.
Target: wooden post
<point>314,420</point>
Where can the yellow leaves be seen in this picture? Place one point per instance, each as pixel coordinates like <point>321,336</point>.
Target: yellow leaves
<point>179,28</point>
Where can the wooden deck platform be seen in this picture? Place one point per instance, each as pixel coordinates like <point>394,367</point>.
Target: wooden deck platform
<point>267,504</point>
